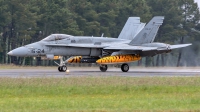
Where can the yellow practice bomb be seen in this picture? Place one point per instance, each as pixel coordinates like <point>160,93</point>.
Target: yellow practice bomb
<point>118,59</point>
<point>75,59</point>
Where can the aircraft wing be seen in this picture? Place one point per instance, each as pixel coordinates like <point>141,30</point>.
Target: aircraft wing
<point>118,47</point>
<point>77,45</point>
<point>136,48</point>
<point>143,48</point>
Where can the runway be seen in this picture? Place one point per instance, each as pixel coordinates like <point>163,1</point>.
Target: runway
<point>94,71</point>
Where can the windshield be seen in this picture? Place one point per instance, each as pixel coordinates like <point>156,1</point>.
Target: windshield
<point>54,37</point>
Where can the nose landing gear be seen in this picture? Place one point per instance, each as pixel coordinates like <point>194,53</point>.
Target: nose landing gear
<point>61,67</point>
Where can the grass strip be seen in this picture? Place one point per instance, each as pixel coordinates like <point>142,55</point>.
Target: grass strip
<point>100,94</point>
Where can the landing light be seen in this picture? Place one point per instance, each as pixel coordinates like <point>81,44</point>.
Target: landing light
<point>67,71</point>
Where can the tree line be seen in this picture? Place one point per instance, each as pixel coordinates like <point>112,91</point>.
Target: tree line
<point>25,21</point>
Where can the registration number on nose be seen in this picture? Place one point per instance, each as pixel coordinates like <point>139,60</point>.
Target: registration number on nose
<point>37,51</point>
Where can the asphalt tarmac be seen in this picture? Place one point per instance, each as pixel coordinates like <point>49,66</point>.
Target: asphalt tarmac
<point>94,71</point>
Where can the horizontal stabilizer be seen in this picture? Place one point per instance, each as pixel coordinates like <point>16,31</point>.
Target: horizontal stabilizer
<point>179,46</point>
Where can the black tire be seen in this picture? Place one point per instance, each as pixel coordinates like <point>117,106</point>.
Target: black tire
<point>60,69</point>
<point>64,68</point>
<point>125,67</point>
<point>103,68</point>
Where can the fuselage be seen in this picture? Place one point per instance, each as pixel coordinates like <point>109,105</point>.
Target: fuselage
<point>40,48</point>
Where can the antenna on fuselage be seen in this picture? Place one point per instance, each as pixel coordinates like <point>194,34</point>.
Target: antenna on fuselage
<point>102,34</point>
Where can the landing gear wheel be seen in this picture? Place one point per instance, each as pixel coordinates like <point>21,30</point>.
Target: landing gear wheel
<point>125,67</point>
<point>62,68</point>
<point>103,68</point>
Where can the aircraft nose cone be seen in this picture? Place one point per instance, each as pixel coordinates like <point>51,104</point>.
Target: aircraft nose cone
<point>10,53</point>
<point>21,51</point>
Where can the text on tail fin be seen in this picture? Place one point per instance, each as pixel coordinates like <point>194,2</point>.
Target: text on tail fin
<point>148,33</point>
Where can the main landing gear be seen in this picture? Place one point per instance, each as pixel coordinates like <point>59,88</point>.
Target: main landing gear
<point>124,67</point>
<point>103,68</point>
<point>61,67</point>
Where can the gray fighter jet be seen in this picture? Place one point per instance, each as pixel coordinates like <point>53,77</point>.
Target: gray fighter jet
<point>134,42</point>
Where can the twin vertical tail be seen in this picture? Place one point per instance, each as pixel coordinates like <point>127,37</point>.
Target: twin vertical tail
<point>131,28</point>
<point>148,33</point>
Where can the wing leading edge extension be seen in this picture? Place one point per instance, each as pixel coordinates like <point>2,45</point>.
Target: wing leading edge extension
<point>77,45</point>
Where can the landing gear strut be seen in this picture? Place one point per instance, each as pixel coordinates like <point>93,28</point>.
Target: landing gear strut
<point>103,68</point>
<point>61,67</point>
<point>124,67</point>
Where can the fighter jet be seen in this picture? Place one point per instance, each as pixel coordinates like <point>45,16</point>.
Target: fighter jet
<point>134,42</point>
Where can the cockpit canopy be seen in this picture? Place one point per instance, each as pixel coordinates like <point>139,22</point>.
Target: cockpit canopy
<point>54,37</point>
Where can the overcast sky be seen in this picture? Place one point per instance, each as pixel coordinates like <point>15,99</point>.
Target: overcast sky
<point>198,2</point>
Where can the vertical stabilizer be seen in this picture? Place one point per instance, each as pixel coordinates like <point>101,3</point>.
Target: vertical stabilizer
<point>131,28</point>
<point>148,33</point>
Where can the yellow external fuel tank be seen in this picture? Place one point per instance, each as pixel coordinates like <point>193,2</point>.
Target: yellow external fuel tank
<point>118,59</point>
<point>75,59</point>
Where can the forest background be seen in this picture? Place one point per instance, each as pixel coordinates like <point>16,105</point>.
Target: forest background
<point>26,21</point>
